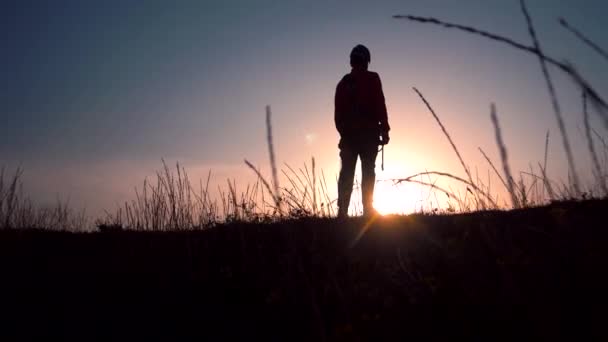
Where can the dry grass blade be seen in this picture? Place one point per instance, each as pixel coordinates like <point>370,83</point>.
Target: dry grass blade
<point>11,199</point>
<point>582,37</point>
<point>604,144</point>
<point>494,168</point>
<point>261,178</point>
<point>596,163</point>
<point>471,185</point>
<point>544,166</point>
<point>431,185</point>
<point>314,188</point>
<point>554,101</point>
<point>3,212</point>
<point>445,132</point>
<point>468,29</point>
<point>532,188</point>
<point>1,187</point>
<point>324,189</point>
<point>600,106</point>
<point>546,150</point>
<point>293,201</point>
<point>273,164</point>
<point>233,200</point>
<point>294,185</point>
<point>504,158</point>
<point>295,174</point>
<point>547,183</point>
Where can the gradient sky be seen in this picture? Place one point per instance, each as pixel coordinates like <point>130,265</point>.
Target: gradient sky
<point>95,93</point>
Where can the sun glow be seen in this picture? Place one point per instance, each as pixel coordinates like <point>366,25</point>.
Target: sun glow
<point>396,199</point>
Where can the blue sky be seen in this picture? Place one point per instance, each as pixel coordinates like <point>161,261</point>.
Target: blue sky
<point>111,87</point>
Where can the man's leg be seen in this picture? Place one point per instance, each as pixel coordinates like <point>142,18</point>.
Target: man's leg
<point>348,157</point>
<point>368,175</point>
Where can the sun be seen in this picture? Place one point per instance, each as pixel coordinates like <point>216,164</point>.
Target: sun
<point>393,199</point>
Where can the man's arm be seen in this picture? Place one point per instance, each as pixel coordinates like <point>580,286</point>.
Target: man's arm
<point>339,108</point>
<point>381,107</point>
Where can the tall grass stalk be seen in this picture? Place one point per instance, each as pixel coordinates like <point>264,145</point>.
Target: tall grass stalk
<point>9,197</point>
<point>582,37</point>
<point>546,150</point>
<point>543,167</point>
<point>554,101</point>
<point>328,203</point>
<point>478,192</point>
<point>605,145</point>
<point>432,185</point>
<point>445,132</point>
<point>314,188</point>
<point>307,190</point>
<point>273,163</point>
<point>504,158</point>
<point>494,168</point>
<point>265,183</point>
<point>597,169</point>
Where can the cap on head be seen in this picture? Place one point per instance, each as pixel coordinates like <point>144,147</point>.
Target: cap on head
<point>360,55</point>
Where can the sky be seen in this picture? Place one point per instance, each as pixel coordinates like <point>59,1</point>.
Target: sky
<point>95,93</point>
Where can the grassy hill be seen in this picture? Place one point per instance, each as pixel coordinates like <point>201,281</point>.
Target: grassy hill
<point>529,273</point>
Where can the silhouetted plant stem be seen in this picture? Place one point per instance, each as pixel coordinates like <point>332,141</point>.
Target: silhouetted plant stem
<point>546,150</point>
<point>470,184</point>
<point>494,168</point>
<point>544,166</point>
<point>445,132</point>
<point>261,178</point>
<point>596,163</point>
<point>582,37</point>
<point>314,187</point>
<point>504,158</point>
<point>273,164</point>
<point>547,183</point>
<point>554,101</point>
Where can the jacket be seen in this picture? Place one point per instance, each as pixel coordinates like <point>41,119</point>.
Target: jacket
<point>360,109</point>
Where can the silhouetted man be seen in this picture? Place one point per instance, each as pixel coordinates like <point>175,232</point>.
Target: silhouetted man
<point>362,121</point>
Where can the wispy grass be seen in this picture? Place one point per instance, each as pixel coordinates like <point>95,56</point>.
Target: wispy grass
<point>171,203</point>
<point>306,191</point>
<point>168,204</point>
<point>502,148</point>
<point>546,150</point>
<point>472,187</point>
<point>274,190</point>
<point>554,100</point>
<point>447,135</point>
<point>582,37</point>
<point>600,104</point>
<point>597,168</point>
<point>19,212</point>
<point>494,168</point>
<point>601,108</point>
<point>273,163</point>
<point>272,193</point>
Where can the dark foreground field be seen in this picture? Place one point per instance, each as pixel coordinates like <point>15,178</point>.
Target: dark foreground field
<point>534,273</point>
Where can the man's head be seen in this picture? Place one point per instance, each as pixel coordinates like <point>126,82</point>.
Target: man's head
<point>360,57</point>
